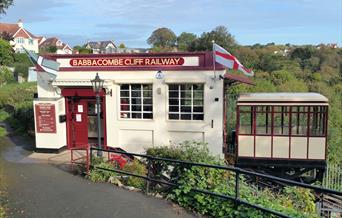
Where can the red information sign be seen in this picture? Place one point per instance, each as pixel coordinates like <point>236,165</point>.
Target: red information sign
<point>45,118</point>
<point>143,61</point>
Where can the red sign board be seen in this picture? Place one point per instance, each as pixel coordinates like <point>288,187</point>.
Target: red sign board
<point>131,61</point>
<point>45,118</point>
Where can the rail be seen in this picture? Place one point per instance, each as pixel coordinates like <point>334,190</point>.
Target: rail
<point>238,171</point>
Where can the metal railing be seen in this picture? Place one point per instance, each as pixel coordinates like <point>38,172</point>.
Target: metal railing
<point>333,177</point>
<point>237,171</point>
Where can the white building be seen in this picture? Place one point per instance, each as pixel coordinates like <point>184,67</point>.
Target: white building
<point>148,100</point>
<point>21,37</point>
<point>101,47</point>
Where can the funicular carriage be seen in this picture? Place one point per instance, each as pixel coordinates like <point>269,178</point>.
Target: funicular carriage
<point>282,134</point>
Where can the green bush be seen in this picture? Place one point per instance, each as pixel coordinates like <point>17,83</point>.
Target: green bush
<point>139,168</point>
<point>223,182</point>
<point>98,175</point>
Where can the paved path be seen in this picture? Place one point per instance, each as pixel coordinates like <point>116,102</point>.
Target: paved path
<point>43,189</point>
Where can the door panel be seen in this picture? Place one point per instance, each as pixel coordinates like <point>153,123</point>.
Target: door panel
<point>79,126</point>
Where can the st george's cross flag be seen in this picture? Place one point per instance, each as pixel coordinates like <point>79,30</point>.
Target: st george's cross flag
<point>228,60</point>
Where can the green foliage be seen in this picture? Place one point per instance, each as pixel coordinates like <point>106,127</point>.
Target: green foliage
<point>220,35</point>
<point>98,175</point>
<point>3,132</point>
<point>83,50</point>
<point>21,117</point>
<point>223,182</point>
<point>6,76</point>
<point>122,45</point>
<point>4,4</point>
<point>6,52</point>
<point>184,41</point>
<point>162,38</point>
<point>135,167</point>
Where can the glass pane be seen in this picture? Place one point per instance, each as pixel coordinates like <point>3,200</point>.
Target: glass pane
<point>198,109</point>
<point>147,93</point>
<point>148,101</point>
<point>136,107</point>
<point>245,108</point>
<point>136,93</point>
<point>173,116</point>
<point>281,123</point>
<point>124,86</point>
<point>198,102</point>
<point>198,87</point>
<point>173,108</point>
<point>147,115</point>
<point>147,108</point>
<point>186,116</point>
<point>125,115</point>
<point>245,123</point>
<point>186,94</point>
<point>147,87</point>
<point>186,109</point>
<point>186,102</point>
<point>263,123</point>
<point>136,115</point>
<point>197,116</point>
<point>173,94</point>
<point>136,87</point>
<point>136,100</point>
<point>173,87</point>
<point>124,107</point>
<point>198,94</point>
<point>124,93</point>
<point>173,101</point>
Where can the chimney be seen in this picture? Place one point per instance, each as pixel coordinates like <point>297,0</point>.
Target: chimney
<point>20,23</point>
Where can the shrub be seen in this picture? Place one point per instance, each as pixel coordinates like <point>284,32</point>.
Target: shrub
<point>98,175</point>
<point>135,167</point>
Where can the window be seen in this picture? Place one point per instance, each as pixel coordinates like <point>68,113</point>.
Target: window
<point>20,40</point>
<point>317,120</point>
<point>263,120</point>
<point>186,102</point>
<point>299,122</point>
<point>136,101</point>
<point>31,41</point>
<point>281,120</point>
<point>246,120</point>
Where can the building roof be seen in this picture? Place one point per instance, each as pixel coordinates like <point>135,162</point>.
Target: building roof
<point>53,42</point>
<point>282,97</point>
<point>13,29</point>
<point>237,78</point>
<point>99,44</point>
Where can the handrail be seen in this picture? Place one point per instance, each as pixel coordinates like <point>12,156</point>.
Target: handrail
<point>237,171</point>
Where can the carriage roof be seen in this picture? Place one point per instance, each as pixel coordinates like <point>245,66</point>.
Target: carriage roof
<point>283,97</point>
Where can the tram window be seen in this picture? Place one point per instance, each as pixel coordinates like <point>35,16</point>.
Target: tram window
<point>317,120</point>
<point>281,120</point>
<point>263,120</point>
<point>246,121</point>
<point>299,121</point>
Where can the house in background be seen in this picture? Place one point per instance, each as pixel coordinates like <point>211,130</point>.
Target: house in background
<point>101,47</point>
<point>54,45</point>
<point>132,50</point>
<point>21,37</point>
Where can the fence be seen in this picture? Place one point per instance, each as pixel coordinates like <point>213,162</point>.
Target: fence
<point>333,177</point>
<point>237,172</point>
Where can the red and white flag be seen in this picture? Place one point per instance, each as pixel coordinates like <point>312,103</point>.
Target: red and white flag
<point>228,60</point>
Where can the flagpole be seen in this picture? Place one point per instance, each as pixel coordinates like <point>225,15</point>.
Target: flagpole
<point>214,59</point>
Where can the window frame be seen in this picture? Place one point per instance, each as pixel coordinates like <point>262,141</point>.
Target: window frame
<point>130,103</point>
<point>305,110</point>
<point>179,98</point>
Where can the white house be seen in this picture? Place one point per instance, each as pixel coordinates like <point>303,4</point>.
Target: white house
<point>101,47</point>
<point>21,37</point>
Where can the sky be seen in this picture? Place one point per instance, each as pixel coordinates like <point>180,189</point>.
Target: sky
<point>132,21</point>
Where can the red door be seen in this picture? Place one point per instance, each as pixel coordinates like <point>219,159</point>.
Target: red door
<point>78,120</point>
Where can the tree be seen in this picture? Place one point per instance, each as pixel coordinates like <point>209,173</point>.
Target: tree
<point>6,36</point>
<point>162,38</point>
<point>122,45</point>
<point>220,35</point>
<point>184,41</point>
<point>6,53</point>
<point>83,49</point>
<point>4,4</point>
<point>6,76</point>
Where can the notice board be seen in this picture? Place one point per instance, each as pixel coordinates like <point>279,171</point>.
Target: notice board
<point>45,118</point>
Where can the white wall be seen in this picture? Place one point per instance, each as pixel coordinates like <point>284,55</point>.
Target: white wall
<point>136,135</point>
<point>31,47</point>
